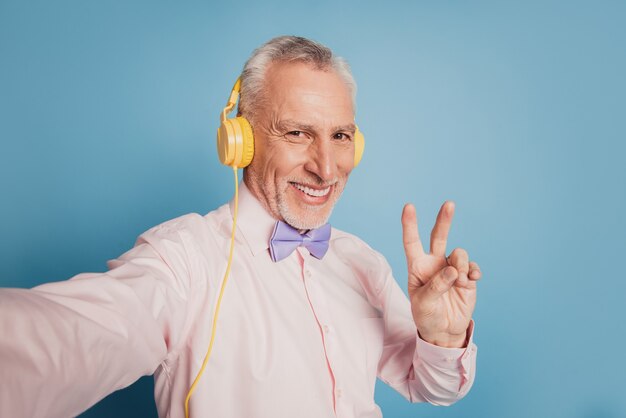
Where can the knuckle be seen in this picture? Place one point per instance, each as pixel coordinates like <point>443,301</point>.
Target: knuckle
<point>461,253</point>
<point>459,259</point>
<point>438,285</point>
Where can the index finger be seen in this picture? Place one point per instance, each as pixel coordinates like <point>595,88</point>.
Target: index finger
<point>439,234</point>
<point>410,234</point>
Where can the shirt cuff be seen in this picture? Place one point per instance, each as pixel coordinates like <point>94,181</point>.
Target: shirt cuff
<point>447,358</point>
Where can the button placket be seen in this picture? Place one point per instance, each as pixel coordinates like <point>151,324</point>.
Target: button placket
<point>318,304</point>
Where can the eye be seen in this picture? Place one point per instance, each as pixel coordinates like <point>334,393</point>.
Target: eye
<point>342,136</point>
<point>294,135</point>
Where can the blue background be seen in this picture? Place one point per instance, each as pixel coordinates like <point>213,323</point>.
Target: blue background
<point>515,110</point>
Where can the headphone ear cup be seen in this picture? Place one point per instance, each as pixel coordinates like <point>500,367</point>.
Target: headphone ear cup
<point>247,146</point>
<point>359,146</point>
<point>225,142</point>
<point>235,142</point>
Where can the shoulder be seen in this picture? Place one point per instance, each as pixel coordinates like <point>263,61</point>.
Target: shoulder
<point>181,223</point>
<point>346,242</point>
<point>189,230</point>
<point>356,252</point>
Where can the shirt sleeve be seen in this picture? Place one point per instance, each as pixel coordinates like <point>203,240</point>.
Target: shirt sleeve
<point>66,345</point>
<point>419,371</point>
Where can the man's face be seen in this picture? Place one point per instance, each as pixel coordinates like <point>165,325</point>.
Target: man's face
<point>304,149</point>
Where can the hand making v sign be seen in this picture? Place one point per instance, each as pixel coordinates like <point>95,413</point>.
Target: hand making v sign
<point>442,289</point>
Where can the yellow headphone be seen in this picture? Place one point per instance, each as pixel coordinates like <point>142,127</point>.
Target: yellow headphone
<point>235,141</point>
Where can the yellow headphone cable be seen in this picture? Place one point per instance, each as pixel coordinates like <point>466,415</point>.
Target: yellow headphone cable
<point>219,299</point>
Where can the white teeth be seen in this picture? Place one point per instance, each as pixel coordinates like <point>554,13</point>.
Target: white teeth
<point>312,192</point>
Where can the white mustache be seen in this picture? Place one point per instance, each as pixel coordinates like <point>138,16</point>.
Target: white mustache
<point>317,183</point>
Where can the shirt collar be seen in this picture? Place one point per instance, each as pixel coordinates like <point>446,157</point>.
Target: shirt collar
<point>253,221</point>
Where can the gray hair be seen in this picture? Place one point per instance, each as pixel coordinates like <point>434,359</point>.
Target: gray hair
<point>286,49</point>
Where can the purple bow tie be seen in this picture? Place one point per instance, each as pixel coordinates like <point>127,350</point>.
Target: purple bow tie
<point>285,239</point>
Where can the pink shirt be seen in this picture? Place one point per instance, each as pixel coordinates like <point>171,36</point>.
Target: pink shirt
<point>301,337</point>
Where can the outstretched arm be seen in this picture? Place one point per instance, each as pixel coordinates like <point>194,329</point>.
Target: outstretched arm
<point>66,345</point>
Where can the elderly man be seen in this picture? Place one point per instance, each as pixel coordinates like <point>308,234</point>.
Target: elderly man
<point>302,333</point>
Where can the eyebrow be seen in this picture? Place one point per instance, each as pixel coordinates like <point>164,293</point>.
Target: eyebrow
<point>291,124</point>
<point>349,128</point>
<point>286,124</point>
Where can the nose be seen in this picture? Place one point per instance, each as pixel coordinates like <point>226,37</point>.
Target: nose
<point>322,160</point>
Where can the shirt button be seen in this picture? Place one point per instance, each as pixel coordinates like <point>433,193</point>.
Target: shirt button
<point>307,273</point>
<point>326,329</point>
<point>338,393</point>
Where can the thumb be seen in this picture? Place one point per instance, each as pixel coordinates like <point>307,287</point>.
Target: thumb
<point>440,284</point>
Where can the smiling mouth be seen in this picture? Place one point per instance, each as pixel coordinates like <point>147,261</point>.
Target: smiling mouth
<point>311,191</point>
